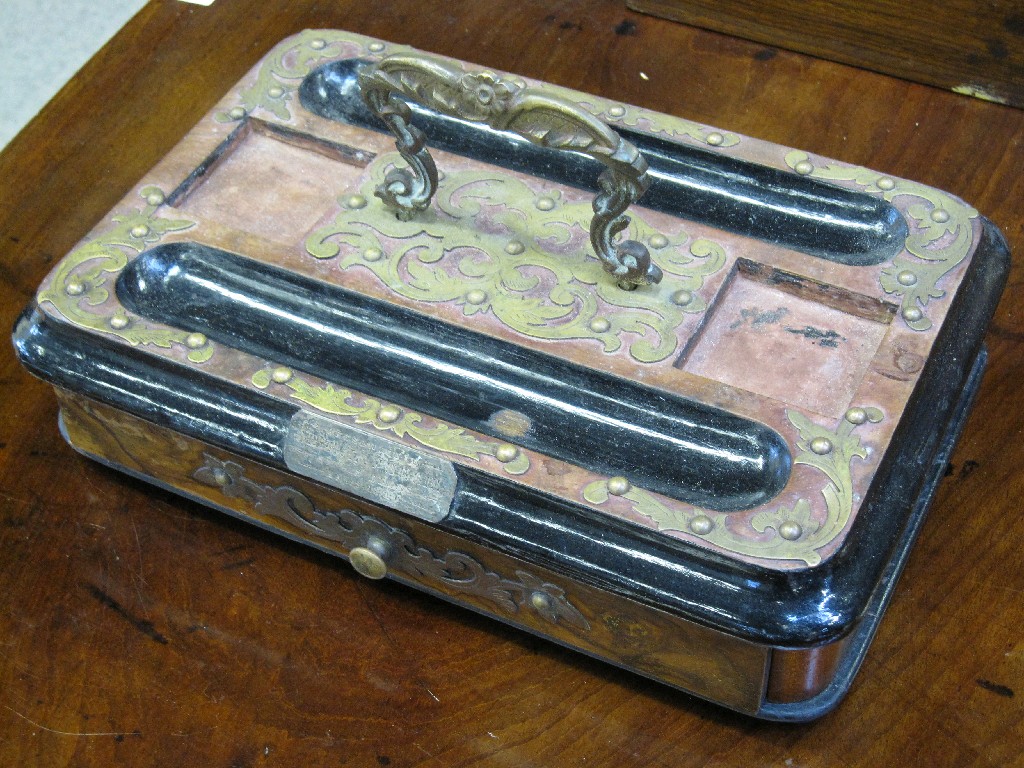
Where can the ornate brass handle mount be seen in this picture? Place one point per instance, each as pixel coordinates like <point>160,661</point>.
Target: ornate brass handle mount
<point>508,105</point>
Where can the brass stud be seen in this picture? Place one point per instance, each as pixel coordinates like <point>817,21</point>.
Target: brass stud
<point>600,325</point>
<point>540,601</point>
<point>155,198</point>
<point>389,414</point>
<point>715,139</point>
<point>236,113</point>
<point>912,314</point>
<point>368,563</point>
<point>139,231</point>
<point>281,375</point>
<point>275,91</point>
<point>476,296</point>
<point>939,216</point>
<point>856,416</point>
<point>618,486</point>
<point>373,254</point>
<point>119,322</point>
<point>514,248</point>
<point>682,298</point>
<point>821,446</point>
<point>355,202</point>
<point>885,183</point>
<point>506,453</point>
<point>220,477</point>
<point>790,530</point>
<point>804,167</point>
<point>195,340</point>
<point>375,47</point>
<point>74,286</point>
<point>702,525</point>
<point>906,277</point>
<point>545,204</point>
<point>658,241</point>
<point>318,44</point>
<point>616,111</point>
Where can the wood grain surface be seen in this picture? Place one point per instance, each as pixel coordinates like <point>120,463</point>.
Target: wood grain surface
<point>140,629</point>
<point>975,46</point>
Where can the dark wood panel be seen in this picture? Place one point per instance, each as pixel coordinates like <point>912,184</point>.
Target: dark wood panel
<point>140,629</point>
<point>973,47</point>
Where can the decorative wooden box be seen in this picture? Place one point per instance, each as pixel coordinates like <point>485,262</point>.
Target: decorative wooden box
<point>696,441</point>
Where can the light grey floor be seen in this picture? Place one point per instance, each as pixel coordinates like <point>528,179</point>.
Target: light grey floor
<point>43,43</point>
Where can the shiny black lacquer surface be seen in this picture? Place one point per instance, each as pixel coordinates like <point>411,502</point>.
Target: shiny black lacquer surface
<point>797,212</point>
<point>613,426</point>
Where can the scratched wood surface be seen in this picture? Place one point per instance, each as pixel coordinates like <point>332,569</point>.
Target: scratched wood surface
<point>139,629</point>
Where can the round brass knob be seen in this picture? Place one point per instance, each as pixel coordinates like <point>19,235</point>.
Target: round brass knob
<point>368,563</point>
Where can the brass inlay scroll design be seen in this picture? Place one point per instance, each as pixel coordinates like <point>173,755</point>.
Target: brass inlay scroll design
<point>400,422</point>
<point>453,572</point>
<point>80,287</point>
<point>795,533</point>
<point>508,105</point>
<point>494,245</point>
<point>939,240</point>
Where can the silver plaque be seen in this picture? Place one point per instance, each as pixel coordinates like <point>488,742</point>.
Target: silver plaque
<point>370,466</point>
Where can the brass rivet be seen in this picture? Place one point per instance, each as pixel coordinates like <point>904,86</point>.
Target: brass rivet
<point>940,216</point>
<point>856,415</point>
<point>375,47</point>
<point>540,601</point>
<point>220,477</point>
<point>616,111</point>
<point>885,183</point>
<point>140,230</point>
<point>682,298</point>
<point>617,486</point>
<point>195,340</point>
<point>275,91</point>
<point>373,254</point>
<point>74,287</point>
<point>701,525</point>
<point>506,453</point>
<point>514,248</point>
<point>545,204</point>
<point>389,414</point>
<point>658,241</point>
<point>804,167</point>
<point>281,375</point>
<point>236,113</point>
<point>906,277</point>
<point>318,44</point>
<point>355,202</point>
<point>368,563</point>
<point>790,530</point>
<point>155,198</point>
<point>511,423</point>
<point>599,325</point>
<point>821,445</point>
<point>476,296</point>
<point>912,314</point>
<point>714,139</point>
<point>119,322</point>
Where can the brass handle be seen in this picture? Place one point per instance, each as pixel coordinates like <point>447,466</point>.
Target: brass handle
<point>507,105</point>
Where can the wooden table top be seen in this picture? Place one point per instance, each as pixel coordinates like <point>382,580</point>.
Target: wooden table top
<point>137,628</point>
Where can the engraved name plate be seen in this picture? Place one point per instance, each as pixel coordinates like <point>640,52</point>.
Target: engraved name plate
<point>370,466</point>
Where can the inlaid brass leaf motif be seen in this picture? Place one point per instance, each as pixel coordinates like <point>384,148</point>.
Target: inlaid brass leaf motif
<point>81,285</point>
<point>940,236</point>
<point>400,422</point>
<point>796,533</point>
<point>493,244</point>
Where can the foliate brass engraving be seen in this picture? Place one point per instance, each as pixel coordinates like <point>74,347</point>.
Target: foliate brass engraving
<point>508,105</point>
<point>938,242</point>
<point>453,572</point>
<point>522,265</point>
<point>400,422</point>
<point>80,288</point>
<point>369,466</point>
<point>797,533</point>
